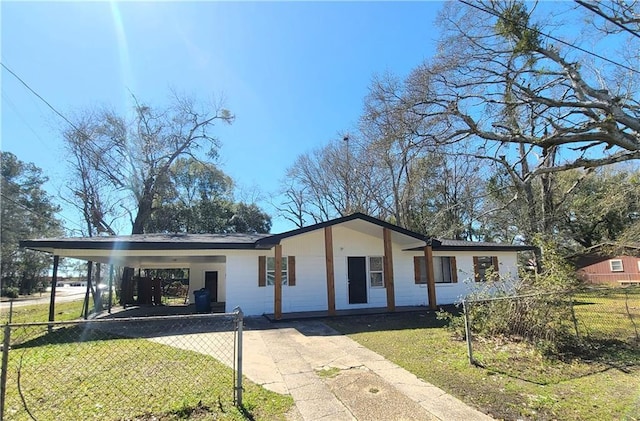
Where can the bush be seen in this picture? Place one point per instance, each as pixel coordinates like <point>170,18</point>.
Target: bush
<point>11,292</point>
<point>536,308</point>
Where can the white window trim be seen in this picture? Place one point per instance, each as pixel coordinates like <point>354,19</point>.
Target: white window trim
<point>369,272</point>
<point>611,262</point>
<point>285,272</point>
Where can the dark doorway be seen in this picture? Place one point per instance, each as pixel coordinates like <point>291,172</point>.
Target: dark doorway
<point>211,283</point>
<point>357,272</point>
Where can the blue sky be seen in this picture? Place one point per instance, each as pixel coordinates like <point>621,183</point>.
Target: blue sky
<point>294,73</point>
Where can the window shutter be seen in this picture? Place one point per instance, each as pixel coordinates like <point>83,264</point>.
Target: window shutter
<point>494,262</point>
<point>475,269</point>
<point>416,269</point>
<point>262,271</point>
<point>291,269</point>
<point>454,269</point>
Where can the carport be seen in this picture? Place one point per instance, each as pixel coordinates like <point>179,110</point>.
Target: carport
<point>202,254</point>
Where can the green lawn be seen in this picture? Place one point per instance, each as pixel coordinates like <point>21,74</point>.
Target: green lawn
<point>40,312</point>
<point>571,390</point>
<point>609,314</point>
<point>75,373</point>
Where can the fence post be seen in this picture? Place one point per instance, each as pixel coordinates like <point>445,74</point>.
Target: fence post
<point>467,330</point>
<point>238,385</point>
<point>5,362</point>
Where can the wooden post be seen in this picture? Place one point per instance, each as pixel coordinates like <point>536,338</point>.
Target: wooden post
<point>331,287</point>
<point>388,270</point>
<point>277,299</point>
<point>431,281</point>
<point>54,283</point>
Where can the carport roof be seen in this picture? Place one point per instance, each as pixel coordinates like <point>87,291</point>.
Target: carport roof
<point>176,241</point>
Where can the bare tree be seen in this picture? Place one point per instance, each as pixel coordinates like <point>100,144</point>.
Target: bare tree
<point>583,110</point>
<point>127,160</point>
<point>329,182</point>
<point>503,91</point>
<point>133,155</point>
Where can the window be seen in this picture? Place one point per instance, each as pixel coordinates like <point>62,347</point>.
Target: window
<point>376,270</point>
<point>271,270</point>
<point>484,265</point>
<point>444,270</point>
<point>616,265</point>
<point>267,270</point>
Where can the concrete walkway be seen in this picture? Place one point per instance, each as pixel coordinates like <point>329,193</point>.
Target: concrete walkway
<point>331,377</point>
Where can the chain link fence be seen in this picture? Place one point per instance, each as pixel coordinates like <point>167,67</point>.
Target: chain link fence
<point>523,335</point>
<point>126,369</point>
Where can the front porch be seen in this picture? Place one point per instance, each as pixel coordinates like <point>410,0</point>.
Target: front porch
<point>349,312</point>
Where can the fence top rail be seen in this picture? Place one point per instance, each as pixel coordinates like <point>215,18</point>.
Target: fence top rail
<point>235,314</point>
<point>512,297</point>
<point>568,293</point>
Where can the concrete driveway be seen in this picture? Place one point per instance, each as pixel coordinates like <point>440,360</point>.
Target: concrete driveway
<point>331,377</point>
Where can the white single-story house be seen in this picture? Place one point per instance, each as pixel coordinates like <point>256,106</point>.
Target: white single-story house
<point>353,262</point>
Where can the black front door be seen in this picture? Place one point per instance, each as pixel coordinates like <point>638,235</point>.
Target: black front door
<point>357,271</point>
<point>211,283</point>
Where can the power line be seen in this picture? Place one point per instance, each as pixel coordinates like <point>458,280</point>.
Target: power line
<point>568,44</point>
<point>41,98</point>
<point>26,123</point>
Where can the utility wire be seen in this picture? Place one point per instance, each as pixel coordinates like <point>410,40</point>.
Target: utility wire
<point>568,44</point>
<point>41,98</point>
<point>599,12</point>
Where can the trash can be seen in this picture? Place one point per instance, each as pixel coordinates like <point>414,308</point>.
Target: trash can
<point>202,300</point>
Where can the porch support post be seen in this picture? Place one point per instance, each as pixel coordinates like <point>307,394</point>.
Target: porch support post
<point>110,288</point>
<point>388,270</point>
<point>277,299</point>
<point>54,283</point>
<point>431,279</point>
<point>331,287</point>
<point>86,295</point>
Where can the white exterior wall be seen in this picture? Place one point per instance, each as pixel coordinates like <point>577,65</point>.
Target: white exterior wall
<point>196,278</point>
<point>310,291</point>
<point>350,243</point>
<point>238,277</point>
<point>242,283</point>
<point>454,293</point>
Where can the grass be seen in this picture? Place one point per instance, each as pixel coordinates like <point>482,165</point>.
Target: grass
<point>40,312</point>
<point>569,390</point>
<point>614,314</point>
<point>86,373</point>
<point>328,372</point>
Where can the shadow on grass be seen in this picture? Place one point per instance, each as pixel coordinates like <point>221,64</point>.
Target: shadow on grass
<point>572,361</point>
<point>67,335</point>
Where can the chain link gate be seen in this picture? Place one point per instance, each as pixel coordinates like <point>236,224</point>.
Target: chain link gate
<point>120,368</point>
